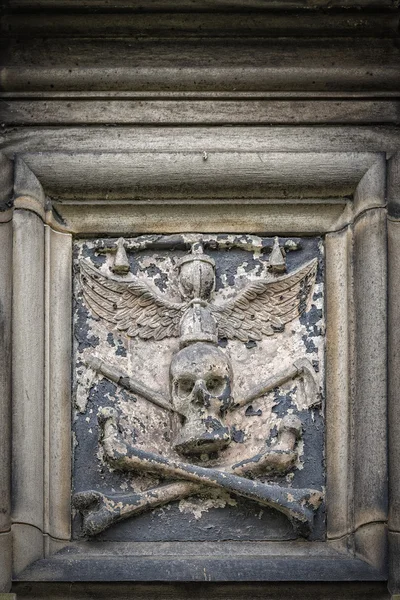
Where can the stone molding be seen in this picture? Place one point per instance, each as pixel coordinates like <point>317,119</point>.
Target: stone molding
<point>393,194</point>
<point>278,117</point>
<point>273,192</point>
<point>356,292</point>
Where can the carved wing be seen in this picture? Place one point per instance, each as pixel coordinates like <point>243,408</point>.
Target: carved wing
<point>131,306</point>
<point>264,307</point>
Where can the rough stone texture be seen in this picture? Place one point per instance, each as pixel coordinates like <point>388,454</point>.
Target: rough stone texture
<point>369,542</point>
<point>6,185</point>
<point>338,399</point>
<point>6,180</point>
<point>218,516</point>
<point>26,184</point>
<point>179,173</point>
<point>370,275</point>
<point>393,192</point>
<point>28,386</point>
<point>58,348</point>
<point>210,116</point>
<point>137,64</point>
<point>394,547</point>
<point>393,357</point>
<point>370,366</point>
<point>6,560</point>
<point>205,591</point>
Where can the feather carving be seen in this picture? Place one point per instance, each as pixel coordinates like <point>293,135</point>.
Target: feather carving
<point>264,307</point>
<point>130,306</point>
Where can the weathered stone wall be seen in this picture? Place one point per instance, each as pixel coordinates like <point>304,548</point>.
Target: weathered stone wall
<point>166,125</point>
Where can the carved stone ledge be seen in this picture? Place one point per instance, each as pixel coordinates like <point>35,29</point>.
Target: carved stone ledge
<point>207,590</point>
<point>145,187</point>
<point>180,563</point>
<point>6,183</point>
<point>362,217</point>
<point>225,63</point>
<point>72,109</point>
<point>30,143</point>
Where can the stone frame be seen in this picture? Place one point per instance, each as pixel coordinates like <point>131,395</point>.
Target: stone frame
<point>342,195</point>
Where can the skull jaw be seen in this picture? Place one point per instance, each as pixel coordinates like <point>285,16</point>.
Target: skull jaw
<point>202,437</point>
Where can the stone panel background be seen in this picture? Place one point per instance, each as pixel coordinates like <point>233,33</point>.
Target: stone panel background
<point>221,516</point>
<point>119,118</point>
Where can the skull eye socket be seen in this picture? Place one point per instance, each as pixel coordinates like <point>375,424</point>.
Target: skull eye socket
<point>185,387</point>
<point>216,385</point>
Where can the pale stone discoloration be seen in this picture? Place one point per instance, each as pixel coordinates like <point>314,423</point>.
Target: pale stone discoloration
<point>85,380</point>
<point>6,240</point>
<point>254,426</point>
<point>57,430</point>
<point>197,505</point>
<point>294,505</point>
<point>28,385</point>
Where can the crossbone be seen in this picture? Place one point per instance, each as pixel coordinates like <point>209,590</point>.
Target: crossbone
<point>100,510</point>
<point>301,367</point>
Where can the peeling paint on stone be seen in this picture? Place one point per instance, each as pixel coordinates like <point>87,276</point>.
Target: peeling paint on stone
<point>254,428</point>
<point>198,505</point>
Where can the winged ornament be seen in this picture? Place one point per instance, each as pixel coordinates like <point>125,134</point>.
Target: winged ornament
<point>215,439</point>
<point>260,308</point>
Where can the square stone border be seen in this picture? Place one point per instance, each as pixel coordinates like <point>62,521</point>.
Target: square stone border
<point>347,205</point>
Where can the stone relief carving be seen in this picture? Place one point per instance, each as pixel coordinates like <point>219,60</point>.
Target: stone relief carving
<point>206,445</point>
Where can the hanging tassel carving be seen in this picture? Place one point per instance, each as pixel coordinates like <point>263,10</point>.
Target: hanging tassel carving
<point>121,262</point>
<point>277,261</point>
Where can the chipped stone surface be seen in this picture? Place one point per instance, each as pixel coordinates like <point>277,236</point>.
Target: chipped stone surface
<point>254,426</point>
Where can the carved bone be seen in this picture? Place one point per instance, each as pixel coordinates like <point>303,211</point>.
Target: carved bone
<point>298,505</point>
<point>121,378</point>
<point>100,511</point>
<point>300,367</point>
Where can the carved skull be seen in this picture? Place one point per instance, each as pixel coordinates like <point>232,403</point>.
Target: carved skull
<point>201,377</point>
